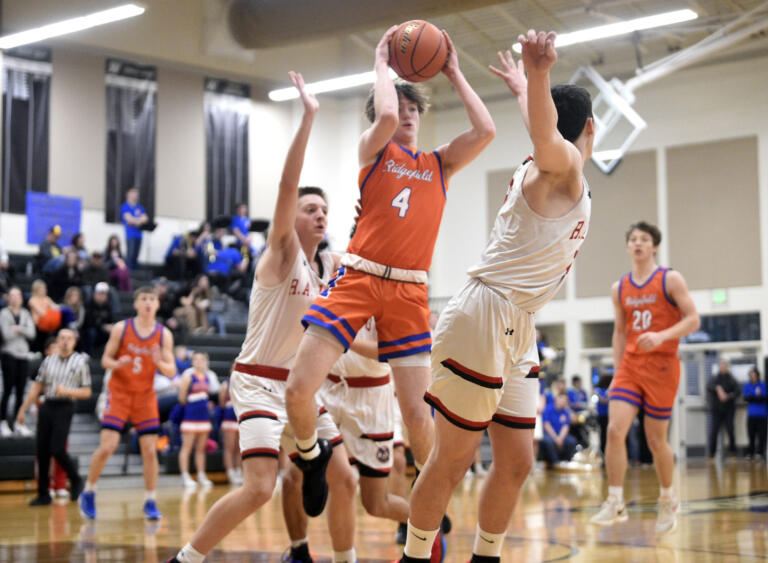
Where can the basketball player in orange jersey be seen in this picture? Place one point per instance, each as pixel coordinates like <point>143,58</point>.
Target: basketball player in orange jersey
<point>137,349</point>
<point>652,311</point>
<point>485,360</point>
<point>384,273</point>
<point>290,274</point>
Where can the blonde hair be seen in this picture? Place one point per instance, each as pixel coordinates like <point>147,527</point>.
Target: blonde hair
<point>37,285</point>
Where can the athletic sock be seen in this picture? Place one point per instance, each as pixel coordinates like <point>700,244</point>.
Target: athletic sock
<point>308,448</point>
<point>348,556</point>
<point>89,487</point>
<point>300,550</point>
<point>667,492</point>
<point>418,543</point>
<point>299,543</point>
<point>150,495</point>
<point>189,554</point>
<point>617,492</point>
<point>488,544</point>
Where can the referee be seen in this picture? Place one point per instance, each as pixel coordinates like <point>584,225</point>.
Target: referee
<point>62,378</point>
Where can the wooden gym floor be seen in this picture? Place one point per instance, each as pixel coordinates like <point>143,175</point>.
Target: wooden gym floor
<point>724,518</point>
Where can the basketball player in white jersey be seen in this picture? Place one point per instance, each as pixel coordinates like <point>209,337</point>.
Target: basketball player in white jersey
<point>484,361</point>
<point>359,396</point>
<point>290,274</point>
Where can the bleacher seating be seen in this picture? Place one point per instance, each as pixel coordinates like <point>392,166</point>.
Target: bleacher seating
<point>17,454</point>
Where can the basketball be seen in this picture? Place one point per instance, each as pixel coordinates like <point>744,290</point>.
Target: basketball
<point>417,51</point>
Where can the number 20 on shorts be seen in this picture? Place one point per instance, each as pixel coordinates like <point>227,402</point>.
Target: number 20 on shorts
<point>401,202</point>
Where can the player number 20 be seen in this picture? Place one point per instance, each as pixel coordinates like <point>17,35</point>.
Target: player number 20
<point>641,320</point>
<point>401,202</point>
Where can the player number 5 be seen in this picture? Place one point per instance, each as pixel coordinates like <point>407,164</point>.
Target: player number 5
<point>401,201</point>
<point>137,364</point>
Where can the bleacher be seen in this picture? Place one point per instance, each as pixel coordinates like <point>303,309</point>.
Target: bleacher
<point>17,454</point>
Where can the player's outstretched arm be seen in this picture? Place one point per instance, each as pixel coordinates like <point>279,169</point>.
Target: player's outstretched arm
<point>551,152</point>
<point>109,359</point>
<point>513,75</point>
<point>678,291</point>
<point>282,241</point>
<point>466,147</point>
<point>619,338</point>
<point>385,105</point>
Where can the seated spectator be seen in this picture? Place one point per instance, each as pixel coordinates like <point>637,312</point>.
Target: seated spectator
<point>558,386</point>
<point>118,269</point>
<point>17,330</point>
<point>78,246</point>
<point>95,270</point>
<point>241,226</point>
<point>577,401</point>
<point>73,310</point>
<point>67,275</point>
<point>181,259</point>
<point>228,268</point>
<point>49,255</point>
<point>557,444</point>
<point>193,312</point>
<point>45,314</point>
<point>169,301</point>
<point>98,320</point>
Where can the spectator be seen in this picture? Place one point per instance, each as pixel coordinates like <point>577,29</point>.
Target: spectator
<point>558,387</point>
<point>62,378</point>
<point>601,398</point>
<point>95,270</point>
<point>118,269</point>
<point>193,312</point>
<point>78,246</point>
<point>98,320</point>
<point>49,256</point>
<point>45,314</point>
<point>757,414</point>
<point>168,303</point>
<point>241,226</point>
<point>722,390</point>
<point>557,444</point>
<point>183,358</point>
<point>577,401</point>
<point>17,330</point>
<point>228,268</point>
<point>181,259</point>
<point>196,384</point>
<point>67,275</point>
<point>133,216</point>
<point>73,310</point>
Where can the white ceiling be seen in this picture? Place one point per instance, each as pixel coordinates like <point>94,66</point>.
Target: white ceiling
<point>194,35</point>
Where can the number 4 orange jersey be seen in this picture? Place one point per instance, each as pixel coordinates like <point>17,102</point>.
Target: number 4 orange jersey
<point>648,308</point>
<point>403,197</point>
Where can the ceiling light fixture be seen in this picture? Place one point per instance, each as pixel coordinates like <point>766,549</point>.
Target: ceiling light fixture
<point>70,26</point>
<point>330,85</point>
<point>620,28</point>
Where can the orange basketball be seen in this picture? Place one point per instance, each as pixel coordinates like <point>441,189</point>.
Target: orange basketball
<point>417,51</point>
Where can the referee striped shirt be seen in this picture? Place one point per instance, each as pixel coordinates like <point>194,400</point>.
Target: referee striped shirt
<point>72,372</point>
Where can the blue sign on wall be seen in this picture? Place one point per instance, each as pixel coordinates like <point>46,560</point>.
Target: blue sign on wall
<point>44,211</point>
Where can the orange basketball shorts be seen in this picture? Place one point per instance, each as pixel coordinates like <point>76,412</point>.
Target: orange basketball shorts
<point>648,381</point>
<point>401,310</point>
<point>138,407</point>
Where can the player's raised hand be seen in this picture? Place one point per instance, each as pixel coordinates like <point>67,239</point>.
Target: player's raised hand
<point>382,49</point>
<point>538,50</point>
<point>513,74</point>
<point>451,66</point>
<point>311,105</point>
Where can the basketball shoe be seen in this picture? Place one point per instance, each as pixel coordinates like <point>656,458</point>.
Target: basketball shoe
<point>612,511</point>
<point>666,521</point>
<point>314,489</point>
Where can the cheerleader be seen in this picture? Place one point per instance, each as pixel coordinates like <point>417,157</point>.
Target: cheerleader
<point>196,424</point>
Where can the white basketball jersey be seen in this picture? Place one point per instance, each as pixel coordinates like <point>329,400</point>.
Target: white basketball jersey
<point>352,364</point>
<point>274,314</point>
<point>528,255</point>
